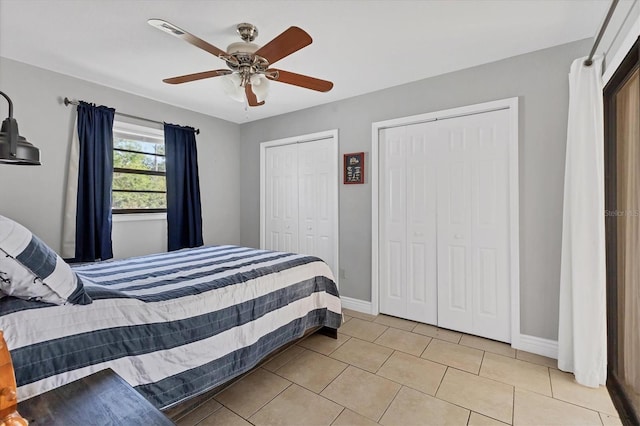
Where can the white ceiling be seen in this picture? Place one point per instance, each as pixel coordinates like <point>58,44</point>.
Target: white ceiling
<point>360,45</point>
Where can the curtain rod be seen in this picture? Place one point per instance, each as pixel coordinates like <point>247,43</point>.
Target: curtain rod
<point>68,102</point>
<point>589,60</point>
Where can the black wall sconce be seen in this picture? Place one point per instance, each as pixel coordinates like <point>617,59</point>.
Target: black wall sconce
<point>14,149</point>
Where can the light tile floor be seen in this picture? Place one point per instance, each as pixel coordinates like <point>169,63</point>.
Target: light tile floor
<point>389,371</point>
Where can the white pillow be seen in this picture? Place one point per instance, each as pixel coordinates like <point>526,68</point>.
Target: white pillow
<point>30,270</point>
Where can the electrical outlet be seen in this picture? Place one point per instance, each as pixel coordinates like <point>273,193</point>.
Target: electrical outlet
<point>343,274</point>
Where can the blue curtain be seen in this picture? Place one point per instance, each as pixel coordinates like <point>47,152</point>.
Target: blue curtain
<point>95,173</point>
<point>184,211</point>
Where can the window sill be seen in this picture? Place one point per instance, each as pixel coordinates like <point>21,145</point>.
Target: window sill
<point>136,217</point>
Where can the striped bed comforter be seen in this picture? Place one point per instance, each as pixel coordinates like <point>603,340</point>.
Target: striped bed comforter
<point>173,325</point>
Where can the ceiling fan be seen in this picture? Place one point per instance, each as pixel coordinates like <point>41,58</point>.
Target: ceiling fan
<point>249,64</point>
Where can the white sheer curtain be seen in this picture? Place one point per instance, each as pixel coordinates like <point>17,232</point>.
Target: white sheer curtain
<point>582,339</point>
<point>70,206</point>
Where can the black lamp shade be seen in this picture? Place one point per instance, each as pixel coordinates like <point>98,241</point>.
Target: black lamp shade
<point>14,149</point>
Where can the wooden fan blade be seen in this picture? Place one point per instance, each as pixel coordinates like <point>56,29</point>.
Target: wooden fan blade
<point>251,97</point>
<point>300,80</point>
<point>196,76</point>
<point>175,31</point>
<point>291,40</point>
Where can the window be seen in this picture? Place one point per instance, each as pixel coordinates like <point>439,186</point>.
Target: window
<point>139,178</point>
<point>622,216</point>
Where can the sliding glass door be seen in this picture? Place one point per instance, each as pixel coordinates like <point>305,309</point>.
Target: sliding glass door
<point>622,104</point>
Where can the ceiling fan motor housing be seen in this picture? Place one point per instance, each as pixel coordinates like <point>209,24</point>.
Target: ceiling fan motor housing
<point>246,62</point>
<point>242,47</point>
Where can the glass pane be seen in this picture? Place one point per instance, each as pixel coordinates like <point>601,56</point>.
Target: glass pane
<point>134,160</point>
<point>132,181</point>
<point>137,200</point>
<point>628,239</point>
<point>136,145</point>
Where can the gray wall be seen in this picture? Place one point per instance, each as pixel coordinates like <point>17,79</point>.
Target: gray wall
<point>538,79</point>
<point>622,24</point>
<point>34,195</point>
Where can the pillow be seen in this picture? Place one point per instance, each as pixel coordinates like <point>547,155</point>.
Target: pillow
<point>31,270</point>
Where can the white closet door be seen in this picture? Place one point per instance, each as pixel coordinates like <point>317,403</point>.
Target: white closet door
<point>473,217</point>
<point>408,233</point>
<point>317,192</point>
<point>393,222</point>
<point>422,276</point>
<point>282,198</point>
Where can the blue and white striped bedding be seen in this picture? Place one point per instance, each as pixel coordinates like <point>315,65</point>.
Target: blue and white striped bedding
<point>173,325</point>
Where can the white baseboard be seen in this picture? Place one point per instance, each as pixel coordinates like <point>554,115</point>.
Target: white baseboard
<point>356,304</point>
<point>537,345</point>
<point>524,342</point>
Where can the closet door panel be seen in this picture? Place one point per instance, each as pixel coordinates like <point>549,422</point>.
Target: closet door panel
<point>473,239</point>
<point>422,291</point>
<point>393,223</point>
<point>455,276</point>
<point>444,223</point>
<point>282,198</point>
<point>490,214</point>
<point>308,202</point>
<point>317,171</point>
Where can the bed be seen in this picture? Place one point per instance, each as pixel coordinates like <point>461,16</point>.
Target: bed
<point>173,325</point>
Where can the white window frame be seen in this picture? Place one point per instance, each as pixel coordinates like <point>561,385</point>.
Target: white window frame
<point>145,132</point>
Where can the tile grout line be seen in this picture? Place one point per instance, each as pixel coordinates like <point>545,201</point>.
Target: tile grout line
<point>365,371</point>
<point>393,351</point>
<point>205,417</point>
<point>576,405</point>
<point>401,385</point>
<point>404,384</point>
<point>560,400</point>
<point>327,355</point>
<point>481,363</point>
<point>279,355</point>
<point>461,406</point>
<point>303,386</point>
<point>339,414</point>
<point>265,404</point>
<point>334,379</point>
<point>601,419</point>
<point>571,402</point>
<point>513,406</point>
<point>385,361</point>
<point>484,352</point>
<point>389,404</point>
<point>440,384</point>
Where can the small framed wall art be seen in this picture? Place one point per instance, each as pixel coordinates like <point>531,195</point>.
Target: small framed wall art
<point>354,168</point>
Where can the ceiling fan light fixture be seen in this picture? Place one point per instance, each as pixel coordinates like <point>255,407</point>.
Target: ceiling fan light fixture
<point>232,86</point>
<point>260,86</point>
<point>248,62</point>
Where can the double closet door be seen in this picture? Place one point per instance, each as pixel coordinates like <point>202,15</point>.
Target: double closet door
<point>301,196</point>
<point>444,223</point>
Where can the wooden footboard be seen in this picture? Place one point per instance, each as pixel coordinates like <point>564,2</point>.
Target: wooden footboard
<point>330,332</point>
